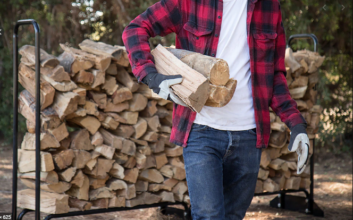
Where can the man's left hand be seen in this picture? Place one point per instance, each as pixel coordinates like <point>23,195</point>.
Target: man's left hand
<point>299,142</point>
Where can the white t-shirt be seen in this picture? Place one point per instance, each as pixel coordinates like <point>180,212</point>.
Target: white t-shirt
<point>238,114</point>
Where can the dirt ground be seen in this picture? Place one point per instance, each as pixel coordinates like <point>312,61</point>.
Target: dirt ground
<point>333,193</point>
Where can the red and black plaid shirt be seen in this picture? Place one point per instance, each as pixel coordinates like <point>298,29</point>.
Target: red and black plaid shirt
<point>197,24</point>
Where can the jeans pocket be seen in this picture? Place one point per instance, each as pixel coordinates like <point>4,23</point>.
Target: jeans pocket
<point>252,131</point>
<point>198,127</point>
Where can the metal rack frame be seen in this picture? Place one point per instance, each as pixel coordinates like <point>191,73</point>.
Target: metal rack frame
<point>295,203</point>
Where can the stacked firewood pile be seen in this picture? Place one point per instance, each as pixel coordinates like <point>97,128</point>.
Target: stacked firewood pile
<point>278,168</point>
<point>104,136</point>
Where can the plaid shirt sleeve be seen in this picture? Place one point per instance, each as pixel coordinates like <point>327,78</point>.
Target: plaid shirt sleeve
<point>161,19</point>
<point>282,103</point>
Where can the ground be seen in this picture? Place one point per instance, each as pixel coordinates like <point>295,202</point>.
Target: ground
<point>333,193</point>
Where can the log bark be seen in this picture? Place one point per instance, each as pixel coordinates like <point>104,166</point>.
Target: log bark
<point>214,69</point>
<point>46,60</point>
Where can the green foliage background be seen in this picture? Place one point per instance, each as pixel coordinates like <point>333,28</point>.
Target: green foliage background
<point>72,21</point>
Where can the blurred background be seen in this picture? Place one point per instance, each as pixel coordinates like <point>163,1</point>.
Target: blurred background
<point>104,20</point>
<point>72,21</point>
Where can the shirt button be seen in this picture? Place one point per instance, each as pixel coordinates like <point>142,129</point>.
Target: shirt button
<point>197,38</point>
<point>219,16</point>
<point>216,35</point>
<point>212,55</point>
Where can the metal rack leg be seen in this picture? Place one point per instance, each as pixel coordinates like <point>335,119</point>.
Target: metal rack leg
<point>15,115</point>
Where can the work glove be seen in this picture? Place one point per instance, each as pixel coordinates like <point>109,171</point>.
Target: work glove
<point>299,142</point>
<point>160,84</point>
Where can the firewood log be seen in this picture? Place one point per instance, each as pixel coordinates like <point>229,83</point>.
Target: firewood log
<point>63,159</point>
<point>137,103</point>
<point>79,204</point>
<point>166,196</point>
<point>214,69</point>
<point>121,94</point>
<point>59,187</point>
<point>128,193</point>
<point>80,140</point>
<point>100,62</point>
<point>53,203</point>
<point>194,88</point>
<point>46,60</point>
<point>47,177</point>
<point>278,139</point>
<point>220,96</point>
<point>124,78</point>
<point>27,80</point>
<point>110,85</point>
<point>67,174</point>
<point>102,49</point>
<point>46,141</point>
<point>179,191</point>
<point>26,161</point>
<point>117,201</point>
<point>56,74</point>
<point>270,186</point>
<point>100,193</point>
<point>119,107</point>
<point>292,63</point>
<point>89,122</point>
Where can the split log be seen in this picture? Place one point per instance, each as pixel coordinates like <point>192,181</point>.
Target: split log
<point>84,59</point>
<point>167,171</point>
<point>179,191</point>
<point>119,107</point>
<point>157,147</point>
<point>110,123</point>
<point>112,69</point>
<point>140,160</point>
<point>45,59</point>
<point>111,140</point>
<point>214,69</point>
<point>131,175</point>
<point>102,49</point>
<point>278,139</point>
<point>59,187</point>
<point>27,80</point>
<point>117,202</point>
<point>26,161</point>
<point>194,88</point>
<point>147,92</point>
<point>150,110</point>
<point>292,63</point>
<point>89,122</point>
<point>79,204</point>
<point>161,160</point>
<point>84,77</point>
<point>95,183</point>
<point>265,159</point>
<point>63,159</point>
<point>298,93</point>
<point>81,158</point>
<point>179,173</point>
<point>151,175</point>
<point>117,171</point>
<point>124,131</point>
<point>158,187</point>
<point>47,177</point>
<point>65,103</point>
<point>130,117</point>
<point>170,182</point>
<point>99,98</point>
<point>80,140</point>
<point>114,184</point>
<point>293,183</point>
<point>220,96</point>
<point>101,203</point>
<point>124,78</point>
<point>141,186</point>
<point>47,141</point>
<point>105,151</point>
<point>174,152</point>
<point>263,174</point>
<point>110,85</point>
<point>143,198</point>
<point>60,133</point>
<point>299,82</point>
<point>99,78</point>
<point>53,203</point>
<point>97,139</point>
<point>67,174</point>
<point>270,186</point>
<point>56,74</point>
<point>137,103</point>
<point>140,128</point>
<point>121,95</point>
<point>166,196</point>
<point>153,123</point>
<point>120,158</point>
<point>100,193</point>
<point>129,192</point>
<point>130,163</point>
<point>150,136</point>
<point>162,112</point>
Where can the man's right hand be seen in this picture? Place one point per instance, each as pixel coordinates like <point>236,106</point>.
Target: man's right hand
<point>160,84</point>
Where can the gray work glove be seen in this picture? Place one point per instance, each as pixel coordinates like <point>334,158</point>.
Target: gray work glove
<point>299,142</point>
<point>160,84</point>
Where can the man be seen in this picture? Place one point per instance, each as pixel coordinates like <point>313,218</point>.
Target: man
<point>223,145</point>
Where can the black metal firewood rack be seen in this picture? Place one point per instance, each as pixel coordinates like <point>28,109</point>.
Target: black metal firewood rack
<point>295,203</point>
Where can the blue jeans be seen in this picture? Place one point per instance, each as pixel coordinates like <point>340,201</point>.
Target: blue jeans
<point>221,172</point>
